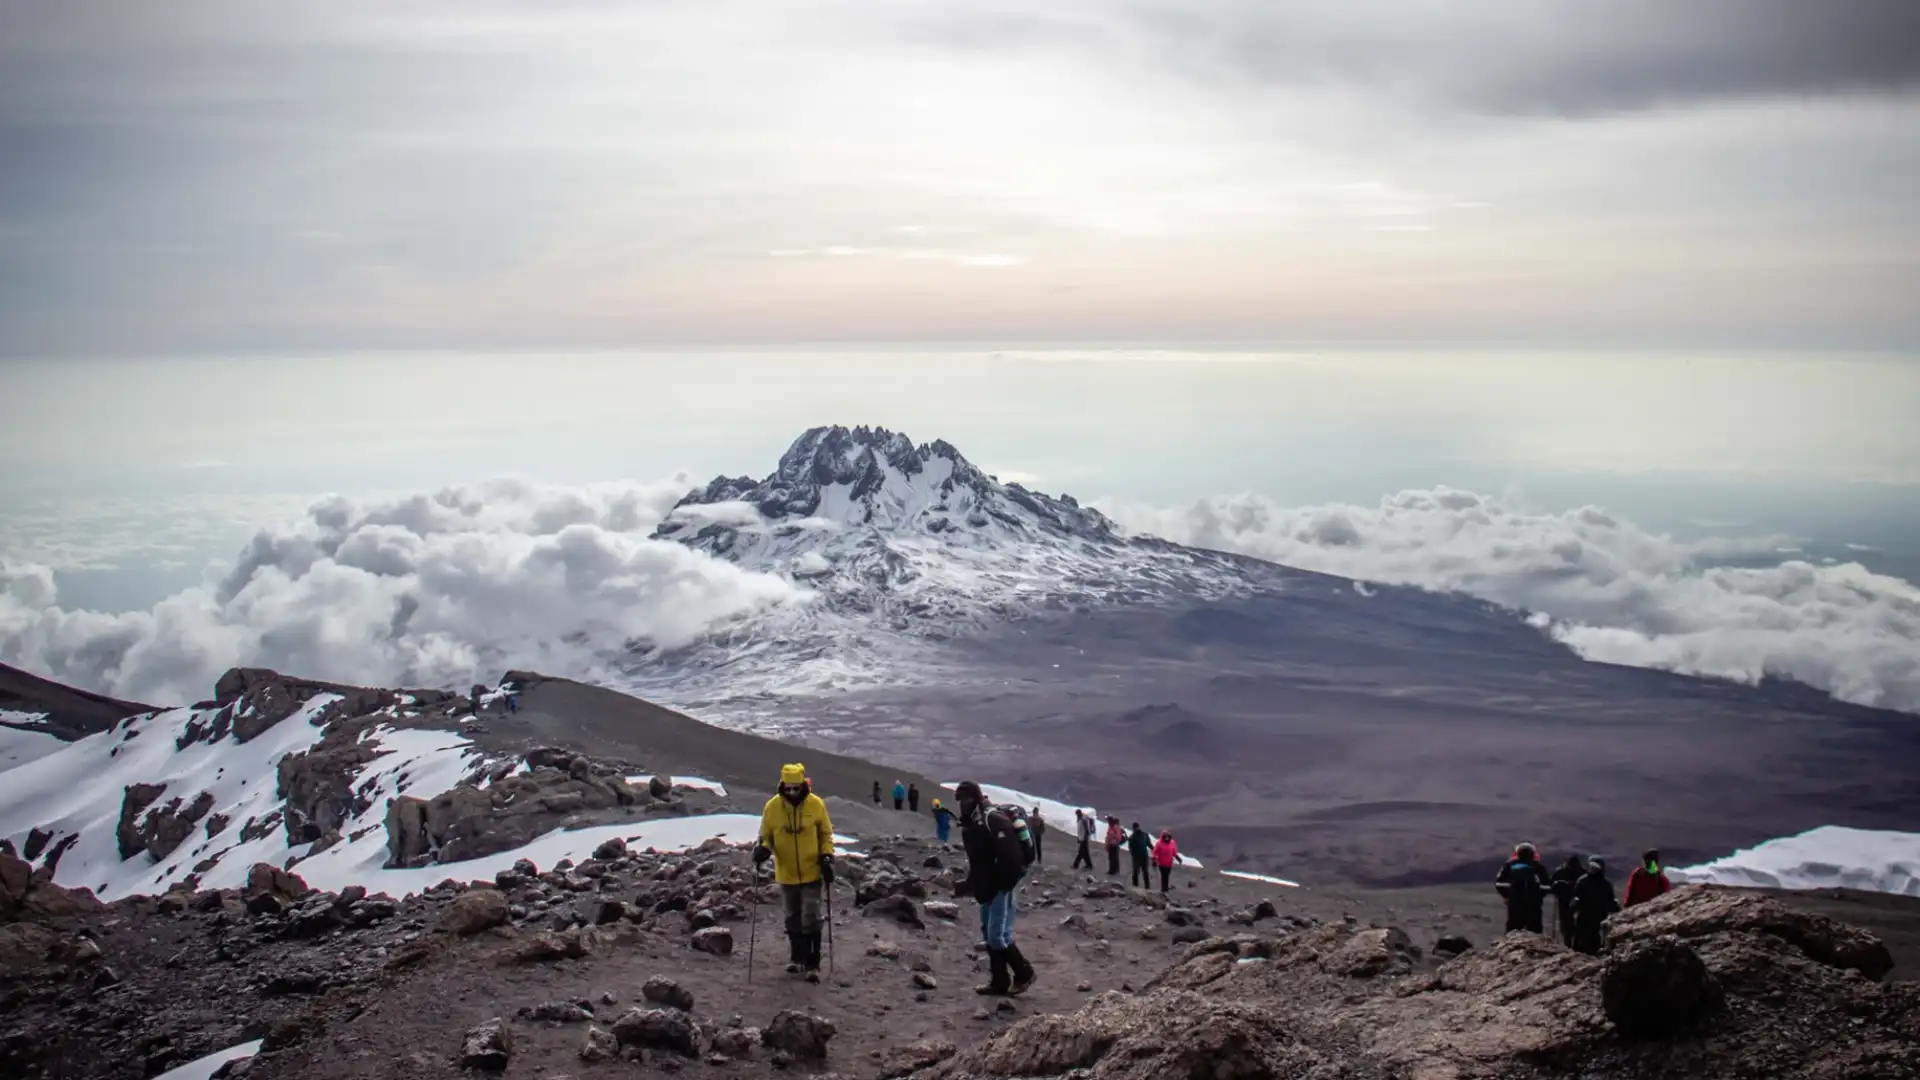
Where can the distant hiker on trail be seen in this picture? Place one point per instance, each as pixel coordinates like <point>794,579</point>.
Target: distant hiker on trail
<point>1523,883</point>
<point>1115,837</point>
<point>1647,880</point>
<point>1164,854</point>
<point>996,860</point>
<point>942,820</point>
<point>913,797</point>
<point>1592,902</point>
<point>899,795</point>
<point>876,793</point>
<point>1083,831</point>
<point>1564,881</point>
<point>1038,826</point>
<point>797,834</point>
<point>1140,847</point>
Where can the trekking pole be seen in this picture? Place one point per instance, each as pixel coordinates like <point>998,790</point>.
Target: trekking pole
<point>753,920</point>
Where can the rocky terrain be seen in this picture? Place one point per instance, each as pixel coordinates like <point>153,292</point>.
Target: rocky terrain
<point>630,956</point>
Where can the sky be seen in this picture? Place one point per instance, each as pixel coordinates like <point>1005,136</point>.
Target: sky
<point>282,283</point>
<point>219,176</point>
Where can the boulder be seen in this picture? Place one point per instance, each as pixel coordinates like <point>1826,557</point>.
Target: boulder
<point>1451,945</point>
<point>664,991</point>
<point>488,1046</point>
<point>717,940</point>
<point>611,848</point>
<point>899,1061</point>
<point>658,1029</point>
<point>1188,935</point>
<point>1696,911</point>
<point>29,893</point>
<point>134,800</point>
<point>941,909</point>
<point>1369,953</point>
<point>266,878</point>
<point>659,787</point>
<point>735,1042</point>
<point>1265,910</point>
<point>406,824</point>
<point>473,911</point>
<point>547,948</point>
<point>898,908</point>
<point>1655,988</point>
<point>799,1034</point>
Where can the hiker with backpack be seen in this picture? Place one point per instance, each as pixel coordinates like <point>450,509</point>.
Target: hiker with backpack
<point>899,795</point>
<point>1039,827</point>
<point>1523,884</point>
<point>1647,880</point>
<point>999,848</point>
<point>1083,830</point>
<point>1565,881</point>
<point>1165,853</point>
<point>942,820</point>
<point>797,834</point>
<point>913,798</point>
<point>1140,847</point>
<point>1115,837</point>
<point>1593,902</point>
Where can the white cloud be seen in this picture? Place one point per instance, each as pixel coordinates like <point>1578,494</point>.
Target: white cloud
<point>1610,590</point>
<point>435,589</point>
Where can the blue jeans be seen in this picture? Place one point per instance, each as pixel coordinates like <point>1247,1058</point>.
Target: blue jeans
<point>996,920</point>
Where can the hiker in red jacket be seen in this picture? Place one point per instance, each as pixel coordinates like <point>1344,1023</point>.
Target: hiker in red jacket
<point>1165,852</point>
<point>1115,837</point>
<point>1647,880</point>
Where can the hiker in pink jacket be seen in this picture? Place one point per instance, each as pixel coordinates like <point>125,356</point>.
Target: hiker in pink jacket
<point>1165,851</point>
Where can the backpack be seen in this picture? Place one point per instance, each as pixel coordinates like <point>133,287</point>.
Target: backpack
<point>1527,892</point>
<point>1020,829</point>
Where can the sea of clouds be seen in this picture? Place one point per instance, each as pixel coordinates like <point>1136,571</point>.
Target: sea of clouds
<point>433,589</point>
<point>447,588</point>
<point>1608,589</point>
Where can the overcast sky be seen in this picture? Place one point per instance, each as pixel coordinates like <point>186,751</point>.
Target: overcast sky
<point>211,177</point>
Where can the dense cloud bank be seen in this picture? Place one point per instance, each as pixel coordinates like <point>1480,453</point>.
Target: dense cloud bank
<point>1610,590</point>
<point>432,589</point>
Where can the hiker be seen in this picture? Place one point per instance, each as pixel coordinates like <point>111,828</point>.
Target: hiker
<point>1564,881</point>
<point>1164,854</point>
<point>1647,880</point>
<point>876,793</point>
<point>513,702</point>
<point>1083,830</point>
<point>913,797</point>
<point>942,820</point>
<point>796,833</point>
<point>1523,883</point>
<point>996,861</point>
<point>899,795</point>
<point>1140,847</point>
<point>1038,826</point>
<point>1114,838</point>
<point>1592,902</point>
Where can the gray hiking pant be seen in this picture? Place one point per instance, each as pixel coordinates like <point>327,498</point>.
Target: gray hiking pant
<point>803,907</point>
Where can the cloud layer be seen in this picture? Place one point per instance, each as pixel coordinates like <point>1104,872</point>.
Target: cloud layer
<point>1610,590</point>
<point>431,589</point>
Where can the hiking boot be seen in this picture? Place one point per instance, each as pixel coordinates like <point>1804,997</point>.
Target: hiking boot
<point>998,984</point>
<point>796,953</point>
<point>813,957</point>
<point>1023,973</point>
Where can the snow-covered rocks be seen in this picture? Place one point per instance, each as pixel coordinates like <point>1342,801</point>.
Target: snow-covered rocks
<point>1874,860</point>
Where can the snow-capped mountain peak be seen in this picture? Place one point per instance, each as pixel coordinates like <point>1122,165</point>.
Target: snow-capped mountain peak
<point>874,483</point>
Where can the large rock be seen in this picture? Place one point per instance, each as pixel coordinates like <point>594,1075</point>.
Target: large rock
<point>1651,989</point>
<point>1697,911</point>
<point>664,991</point>
<point>473,911</point>
<point>264,879</point>
<point>798,1034</point>
<point>898,908</point>
<point>319,785</point>
<point>902,1060</point>
<point>658,1029</point>
<point>488,1046</point>
<point>407,838</point>
<point>134,800</point>
<point>1368,953</point>
<point>26,893</point>
<point>717,940</point>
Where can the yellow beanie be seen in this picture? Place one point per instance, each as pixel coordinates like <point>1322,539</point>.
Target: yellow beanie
<point>795,773</point>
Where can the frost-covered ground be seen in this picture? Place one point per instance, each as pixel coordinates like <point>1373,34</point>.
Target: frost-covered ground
<point>202,1068</point>
<point>1825,858</point>
<point>20,742</point>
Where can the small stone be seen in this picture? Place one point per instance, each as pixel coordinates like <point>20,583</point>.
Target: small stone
<point>796,1033</point>
<point>664,991</point>
<point>599,1045</point>
<point>1084,987</point>
<point>925,981</point>
<point>941,909</point>
<point>487,1046</point>
<point>717,940</point>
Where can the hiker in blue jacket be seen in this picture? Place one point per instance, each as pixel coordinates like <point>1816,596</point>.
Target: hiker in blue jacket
<point>899,795</point>
<point>942,820</point>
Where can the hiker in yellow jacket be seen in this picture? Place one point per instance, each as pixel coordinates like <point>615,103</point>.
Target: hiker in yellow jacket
<point>797,835</point>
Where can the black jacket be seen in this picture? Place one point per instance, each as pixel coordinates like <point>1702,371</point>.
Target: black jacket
<point>1139,844</point>
<point>995,862</point>
<point>1523,884</point>
<point>1564,881</point>
<point>1593,899</point>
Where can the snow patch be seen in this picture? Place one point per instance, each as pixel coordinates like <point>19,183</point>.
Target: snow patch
<point>1873,860</point>
<point>1244,876</point>
<point>19,746</point>
<point>207,1066</point>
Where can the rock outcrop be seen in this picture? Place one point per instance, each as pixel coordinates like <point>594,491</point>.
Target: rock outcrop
<point>1695,912</point>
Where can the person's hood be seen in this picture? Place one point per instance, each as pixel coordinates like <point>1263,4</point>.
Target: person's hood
<point>795,773</point>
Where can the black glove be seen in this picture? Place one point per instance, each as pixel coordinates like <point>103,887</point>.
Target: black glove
<point>826,869</point>
<point>761,853</point>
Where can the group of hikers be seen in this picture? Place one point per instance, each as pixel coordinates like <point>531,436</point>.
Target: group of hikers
<point>1000,842</point>
<point>1582,893</point>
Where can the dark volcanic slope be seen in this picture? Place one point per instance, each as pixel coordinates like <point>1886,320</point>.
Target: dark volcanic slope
<point>1394,739</point>
<point>71,714</point>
